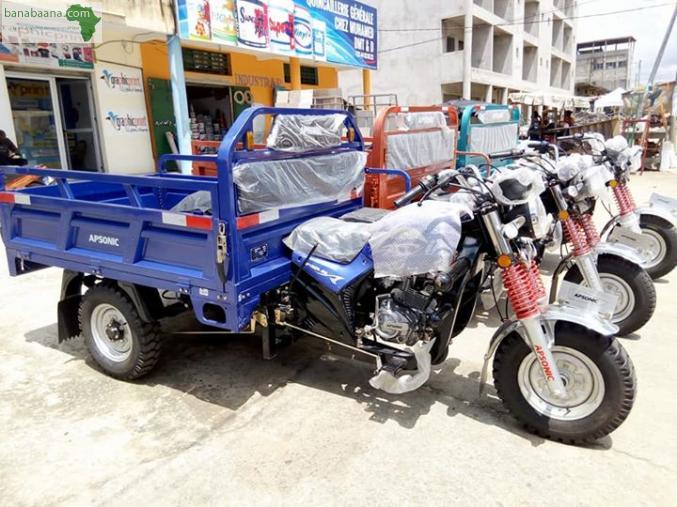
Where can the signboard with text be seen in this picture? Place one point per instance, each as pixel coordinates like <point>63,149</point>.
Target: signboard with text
<point>124,122</point>
<point>73,56</point>
<point>343,32</point>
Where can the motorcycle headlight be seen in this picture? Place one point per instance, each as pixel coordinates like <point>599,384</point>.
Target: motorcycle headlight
<point>541,221</point>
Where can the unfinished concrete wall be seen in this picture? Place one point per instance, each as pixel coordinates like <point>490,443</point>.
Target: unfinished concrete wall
<point>482,46</point>
<point>530,64</point>
<point>502,53</point>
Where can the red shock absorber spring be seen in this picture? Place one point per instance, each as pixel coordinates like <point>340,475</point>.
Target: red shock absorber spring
<point>586,223</point>
<point>575,235</point>
<point>536,279</point>
<point>522,293</point>
<point>624,199</point>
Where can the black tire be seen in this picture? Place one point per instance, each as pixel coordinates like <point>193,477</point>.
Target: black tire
<point>668,232</point>
<point>606,353</point>
<point>145,342</point>
<point>638,281</point>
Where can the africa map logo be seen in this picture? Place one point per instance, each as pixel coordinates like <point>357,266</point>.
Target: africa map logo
<point>85,17</point>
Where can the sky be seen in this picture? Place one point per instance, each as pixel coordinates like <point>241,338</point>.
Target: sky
<point>648,26</point>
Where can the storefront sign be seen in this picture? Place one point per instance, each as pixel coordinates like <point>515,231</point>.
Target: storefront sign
<point>124,120</point>
<point>338,31</point>
<point>73,56</point>
<point>263,81</point>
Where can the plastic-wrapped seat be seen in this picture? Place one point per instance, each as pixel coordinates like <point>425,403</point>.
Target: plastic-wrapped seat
<point>415,239</point>
<point>365,215</point>
<point>331,239</point>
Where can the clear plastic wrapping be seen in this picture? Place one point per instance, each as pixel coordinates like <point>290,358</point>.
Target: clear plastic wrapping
<point>298,133</point>
<point>415,121</point>
<point>488,116</point>
<point>493,139</point>
<point>298,182</point>
<point>410,241</point>
<point>420,149</point>
<point>416,239</point>
<point>595,179</point>
<point>197,201</point>
<point>510,195</point>
<point>615,145</point>
<point>335,239</point>
<point>572,165</point>
<point>630,159</point>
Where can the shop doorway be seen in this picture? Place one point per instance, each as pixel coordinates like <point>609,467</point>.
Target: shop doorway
<point>213,109</point>
<point>54,121</point>
<point>79,124</point>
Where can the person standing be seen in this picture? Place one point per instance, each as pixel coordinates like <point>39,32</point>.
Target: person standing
<point>9,153</point>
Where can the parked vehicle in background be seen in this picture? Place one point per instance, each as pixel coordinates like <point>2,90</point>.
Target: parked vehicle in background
<point>279,246</point>
<point>485,130</point>
<point>417,140</point>
<point>650,230</point>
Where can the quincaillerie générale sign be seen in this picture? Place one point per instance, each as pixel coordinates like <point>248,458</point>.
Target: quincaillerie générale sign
<point>344,32</point>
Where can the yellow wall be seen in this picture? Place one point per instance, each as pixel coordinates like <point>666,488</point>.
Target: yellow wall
<point>247,71</point>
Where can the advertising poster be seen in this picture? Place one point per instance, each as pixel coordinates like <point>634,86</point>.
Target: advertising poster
<point>73,56</point>
<point>124,122</point>
<point>343,32</point>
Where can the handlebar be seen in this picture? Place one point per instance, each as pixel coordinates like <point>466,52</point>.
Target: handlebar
<point>424,185</point>
<point>508,154</point>
<point>427,184</point>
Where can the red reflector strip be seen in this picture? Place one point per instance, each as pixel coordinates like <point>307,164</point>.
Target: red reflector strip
<point>248,221</point>
<point>198,222</point>
<point>190,221</point>
<point>14,198</point>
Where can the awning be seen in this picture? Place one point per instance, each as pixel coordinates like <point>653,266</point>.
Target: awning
<point>612,99</point>
<point>550,100</point>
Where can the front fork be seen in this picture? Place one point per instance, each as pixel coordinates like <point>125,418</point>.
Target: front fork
<point>583,236</point>
<point>626,206</point>
<point>524,292</point>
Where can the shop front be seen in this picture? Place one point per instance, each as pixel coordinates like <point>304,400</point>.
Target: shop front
<point>218,87</point>
<point>49,105</point>
<point>82,106</point>
<point>234,54</point>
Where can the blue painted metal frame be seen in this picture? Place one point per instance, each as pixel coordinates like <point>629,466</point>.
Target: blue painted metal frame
<point>466,127</point>
<point>116,199</point>
<point>392,172</point>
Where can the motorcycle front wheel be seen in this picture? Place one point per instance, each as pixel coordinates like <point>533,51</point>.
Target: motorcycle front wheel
<point>631,284</point>
<point>598,375</point>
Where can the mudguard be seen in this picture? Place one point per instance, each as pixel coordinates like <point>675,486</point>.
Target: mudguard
<point>665,203</point>
<point>550,317</point>
<point>660,212</point>
<point>619,250</point>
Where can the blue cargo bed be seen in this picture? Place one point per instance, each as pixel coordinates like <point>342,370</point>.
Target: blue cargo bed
<point>126,228</point>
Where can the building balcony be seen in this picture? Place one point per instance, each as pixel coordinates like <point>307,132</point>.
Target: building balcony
<point>529,39</point>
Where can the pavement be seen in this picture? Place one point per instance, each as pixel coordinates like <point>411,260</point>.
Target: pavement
<point>215,424</point>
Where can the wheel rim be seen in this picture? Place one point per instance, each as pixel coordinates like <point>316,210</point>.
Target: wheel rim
<point>615,285</point>
<point>581,376</point>
<point>111,333</point>
<point>655,251</point>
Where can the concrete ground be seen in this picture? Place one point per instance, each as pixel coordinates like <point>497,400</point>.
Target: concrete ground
<point>215,424</point>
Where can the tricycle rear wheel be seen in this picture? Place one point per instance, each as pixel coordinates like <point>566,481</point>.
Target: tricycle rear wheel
<point>120,342</point>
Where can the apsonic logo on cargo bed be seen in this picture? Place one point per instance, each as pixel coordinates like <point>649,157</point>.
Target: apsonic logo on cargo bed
<point>104,240</point>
